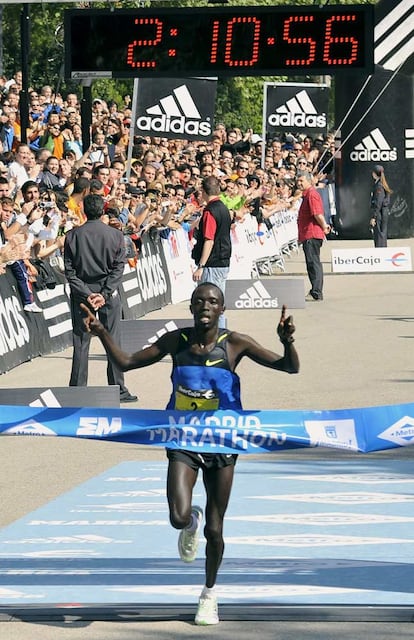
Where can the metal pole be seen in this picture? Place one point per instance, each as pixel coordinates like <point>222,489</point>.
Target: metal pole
<point>25,52</point>
<point>86,113</point>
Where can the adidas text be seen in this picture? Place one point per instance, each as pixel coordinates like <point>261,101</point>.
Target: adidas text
<point>165,124</point>
<point>258,303</point>
<point>374,155</point>
<point>297,120</point>
<point>14,332</point>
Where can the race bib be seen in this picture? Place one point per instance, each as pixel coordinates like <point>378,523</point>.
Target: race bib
<point>196,400</point>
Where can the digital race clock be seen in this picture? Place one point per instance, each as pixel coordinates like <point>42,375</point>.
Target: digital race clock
<point>237,41</point>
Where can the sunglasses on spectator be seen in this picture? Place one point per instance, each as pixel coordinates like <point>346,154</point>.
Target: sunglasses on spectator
<point>242,184</point>
<point>243,168</point>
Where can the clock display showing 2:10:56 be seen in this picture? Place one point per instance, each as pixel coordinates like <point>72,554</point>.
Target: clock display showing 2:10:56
<point>223,41</point>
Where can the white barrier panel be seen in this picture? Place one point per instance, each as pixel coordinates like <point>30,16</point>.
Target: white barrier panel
<point>254,243</point>
<point>371,259</point>
<point>242,255</point>
<point>177,252</point>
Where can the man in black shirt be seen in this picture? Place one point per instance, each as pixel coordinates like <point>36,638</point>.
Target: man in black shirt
<point>212,251</point>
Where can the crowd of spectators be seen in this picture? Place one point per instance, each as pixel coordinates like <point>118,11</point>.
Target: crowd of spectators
<point>43,181</point>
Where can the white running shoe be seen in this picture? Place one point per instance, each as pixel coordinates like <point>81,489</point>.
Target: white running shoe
<point>188,540</point>
<point>32,307</point>
<point>207,612</point>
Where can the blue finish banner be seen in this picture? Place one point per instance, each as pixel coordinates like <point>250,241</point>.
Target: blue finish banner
<point>363,430</point>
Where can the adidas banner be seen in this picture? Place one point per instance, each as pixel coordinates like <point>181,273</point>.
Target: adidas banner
<point>265,294</point>
<point>380,135</point>
<point>363,429</point>
<point>24,336</point>
<point>379,129</point>
<point>62,396</point>
<point>173,108</point>
<point>146,287</point>
<point>295,108</point>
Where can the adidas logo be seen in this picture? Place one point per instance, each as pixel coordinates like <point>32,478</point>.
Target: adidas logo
<point>256,297</point>
<point>47,399</point>
<point>299,111</point>
<point>169,326</point>
<point>373,148</point>
<point>176,113</point>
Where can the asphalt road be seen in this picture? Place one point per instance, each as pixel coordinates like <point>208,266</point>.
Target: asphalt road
<point>355,352</point>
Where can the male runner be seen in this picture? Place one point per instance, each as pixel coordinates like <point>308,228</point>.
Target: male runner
<point>203,378</point>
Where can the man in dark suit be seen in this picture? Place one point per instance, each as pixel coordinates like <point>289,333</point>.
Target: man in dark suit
<point>94,257</point>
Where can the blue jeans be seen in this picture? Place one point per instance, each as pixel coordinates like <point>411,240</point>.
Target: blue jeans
<point>217,276</point>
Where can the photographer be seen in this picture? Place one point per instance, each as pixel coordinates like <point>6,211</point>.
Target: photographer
<point>47,244</point>
<point>99,150</point>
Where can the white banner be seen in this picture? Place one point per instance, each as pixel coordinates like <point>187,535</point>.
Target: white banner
<point>251,242</point>
<point>177,252</point>
<point>372,259</point>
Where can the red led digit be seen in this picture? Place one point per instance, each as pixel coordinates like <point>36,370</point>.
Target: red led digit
<point>309,42</point>
<point>351,43</point>
<point>248,62</point>
<point>214,41</point>
<point>147,42</point>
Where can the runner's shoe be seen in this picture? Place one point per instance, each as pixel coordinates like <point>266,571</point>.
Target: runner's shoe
<point>188,540</point>
<point>207,612</point>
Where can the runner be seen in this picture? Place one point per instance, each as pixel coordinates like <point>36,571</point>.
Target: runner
<point>203,378</point>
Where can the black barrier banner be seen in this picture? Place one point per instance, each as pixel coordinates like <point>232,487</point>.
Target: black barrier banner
<point>295,107</point>
<point>61,396</point>
<point>27,335</point>
<point>56,332</point>
<point>269,294</point>
<point>173,108</point>
<point>146,287</point>
<point>15,335</point>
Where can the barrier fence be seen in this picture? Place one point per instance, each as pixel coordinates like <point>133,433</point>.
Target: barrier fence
<point>163,275</point>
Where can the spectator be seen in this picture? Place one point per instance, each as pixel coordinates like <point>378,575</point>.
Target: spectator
<point>81,188</point>
<point>18,173</point>
<point>380,206</point>
<point>49,178</point>
<point>312,229</point>
<point>212,250</point>
<point>12,224</point>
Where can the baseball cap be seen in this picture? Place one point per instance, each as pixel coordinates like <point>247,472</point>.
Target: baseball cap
<point>378,169</point>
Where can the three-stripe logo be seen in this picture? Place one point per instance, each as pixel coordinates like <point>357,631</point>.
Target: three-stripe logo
<point>298,111</point>
<point>175,113</point>
<point>256,297</point>
<point>374,148</point>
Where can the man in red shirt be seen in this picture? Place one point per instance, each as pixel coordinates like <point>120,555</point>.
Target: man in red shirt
<point>312,229</point>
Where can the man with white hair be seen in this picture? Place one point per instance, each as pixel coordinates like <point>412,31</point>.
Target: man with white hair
<point>312,229</point>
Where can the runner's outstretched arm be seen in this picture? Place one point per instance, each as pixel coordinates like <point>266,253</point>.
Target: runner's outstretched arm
<point>123,360</point>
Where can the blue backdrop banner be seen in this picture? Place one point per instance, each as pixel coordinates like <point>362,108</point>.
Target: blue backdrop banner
<point>364,430</point>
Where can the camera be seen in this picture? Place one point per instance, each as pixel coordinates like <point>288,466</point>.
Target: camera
<point>47,205</point>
